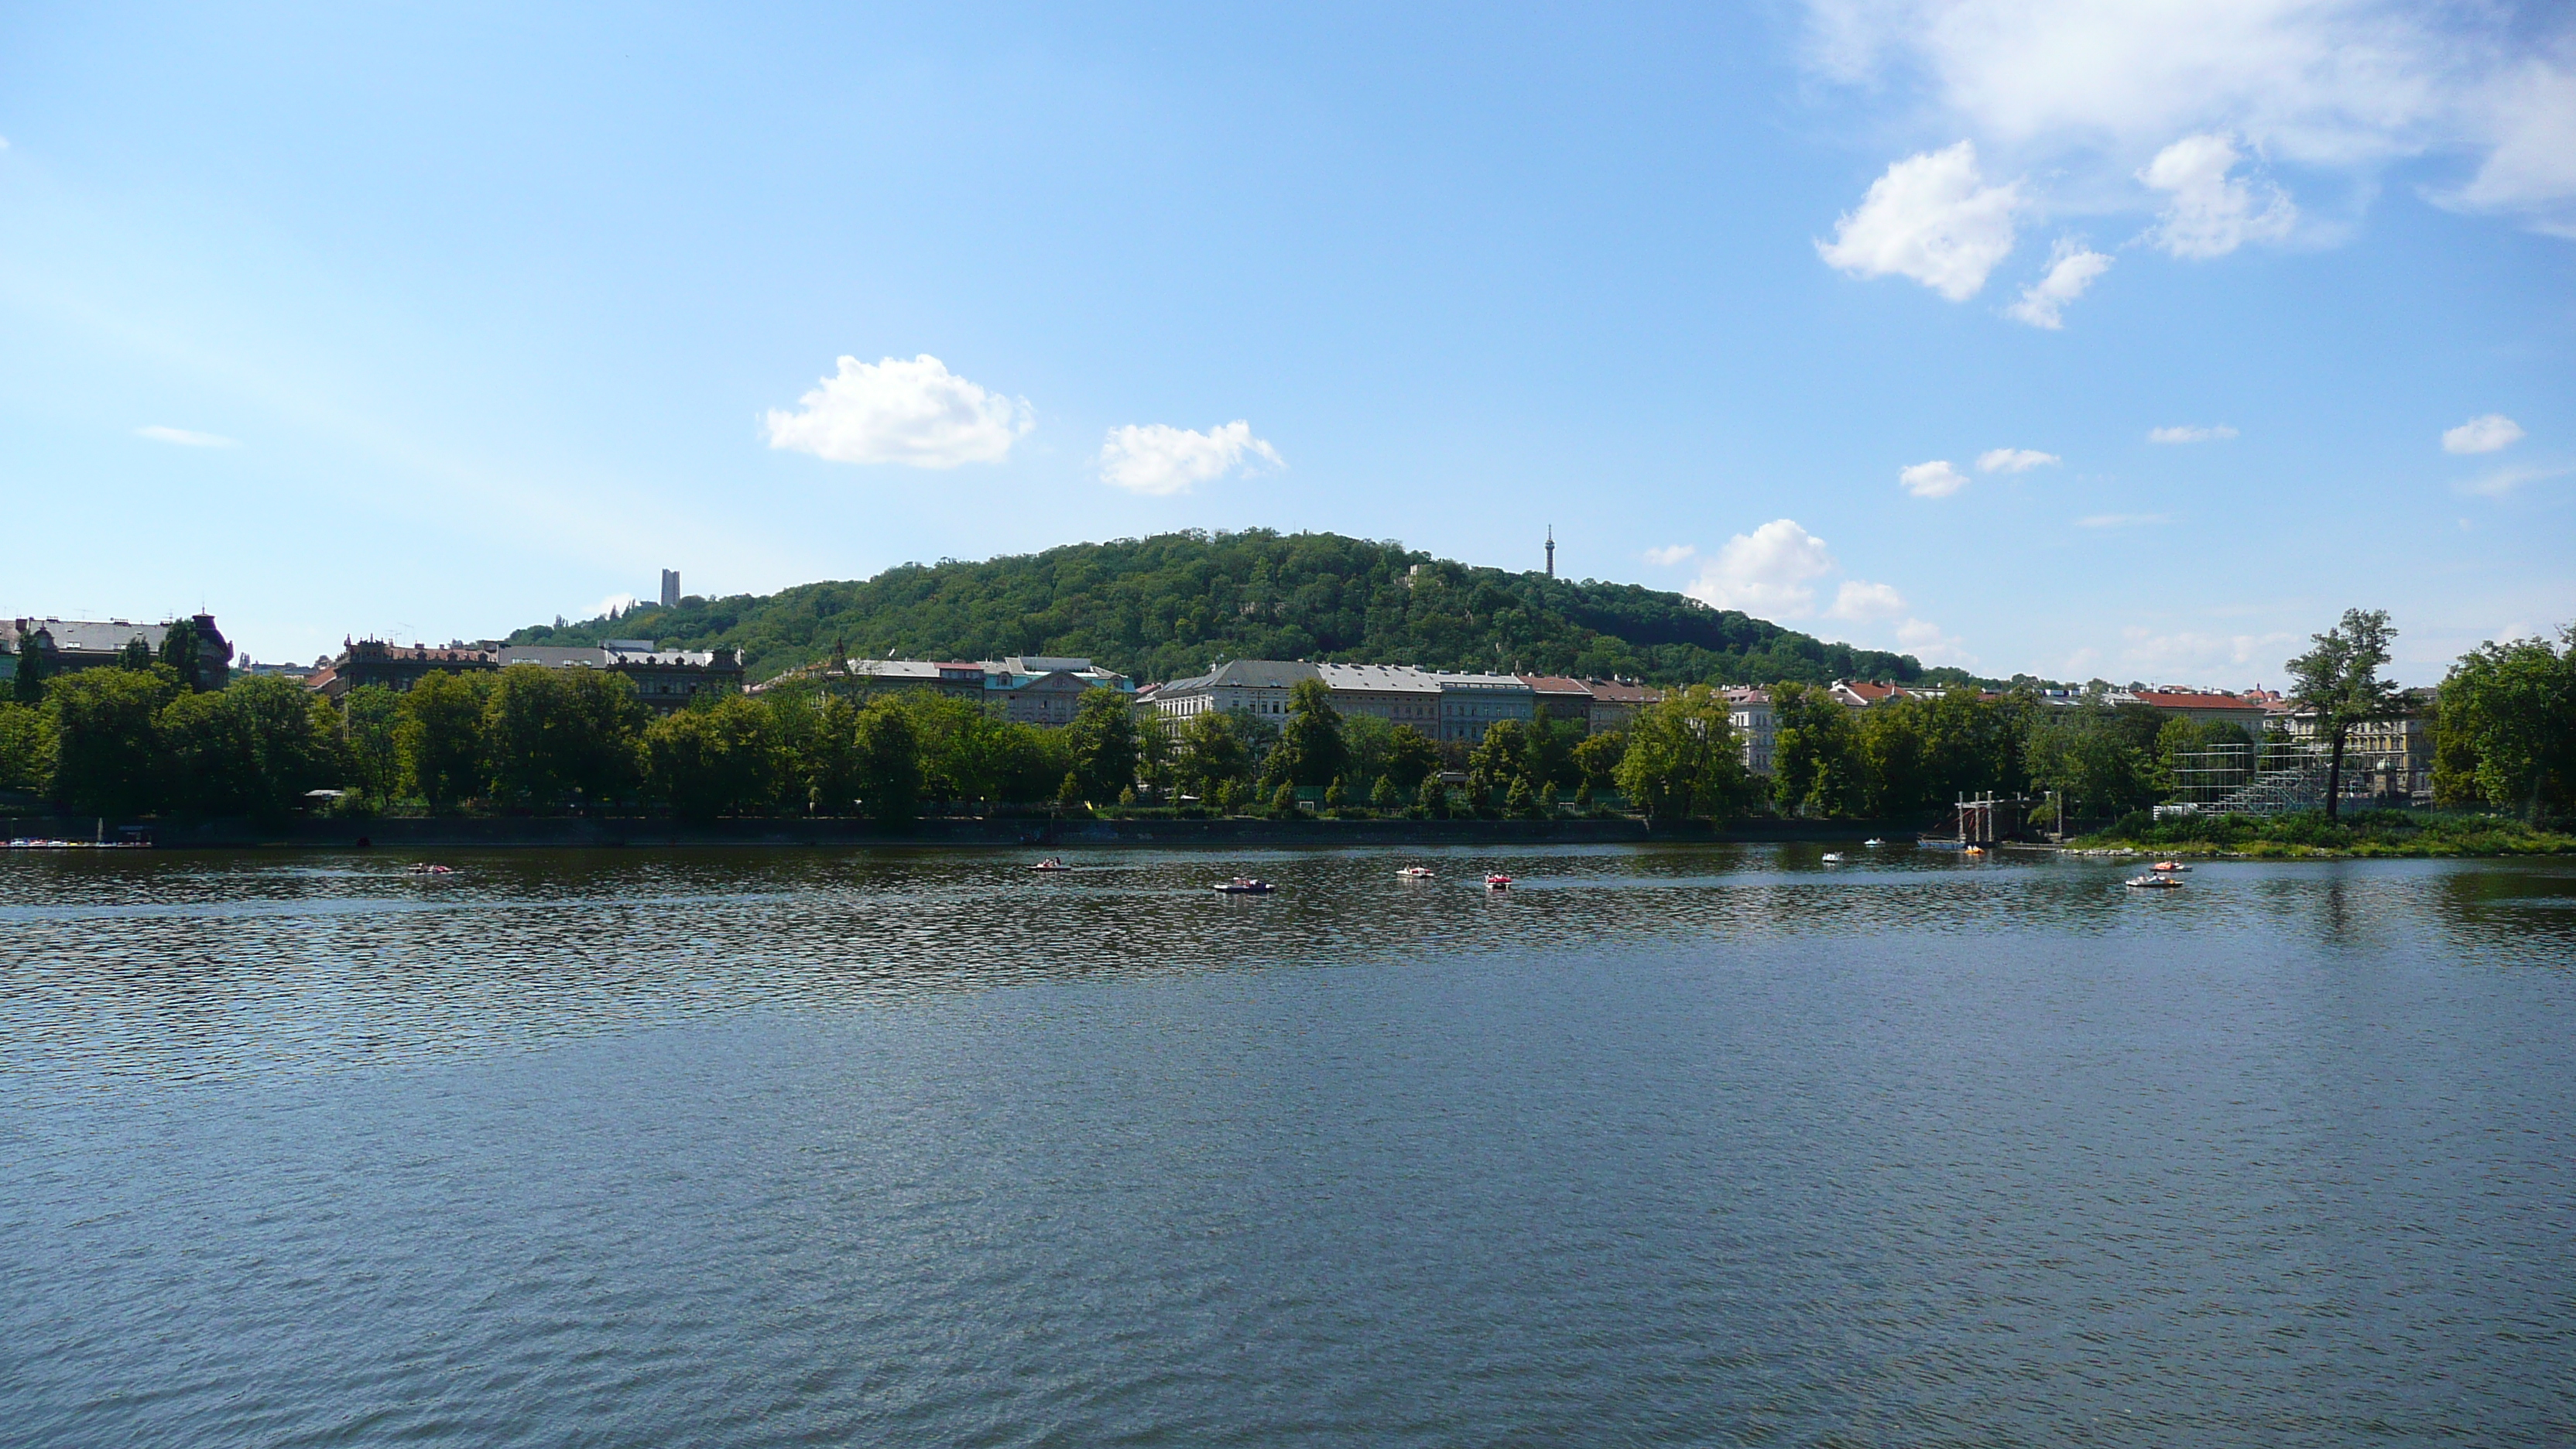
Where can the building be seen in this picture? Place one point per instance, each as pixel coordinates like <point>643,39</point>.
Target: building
<point>1238,686</point>
<point>2202,706</point>
<point>1749,710</point>
<point>1396,693</point>
<point>1471,704</point>
<point>362,662</point>
<point>2387,760</point>
<point>1044,690</point>
<point>665,679</point>
<point>75,644</point>
<point>1615,703</point>
<point>670,588</point>
<point>1567,701</point>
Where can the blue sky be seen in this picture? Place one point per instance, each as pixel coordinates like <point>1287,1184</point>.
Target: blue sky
<point>433,323</point>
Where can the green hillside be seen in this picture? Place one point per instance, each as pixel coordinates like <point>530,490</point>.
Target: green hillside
<point>1165,607</point>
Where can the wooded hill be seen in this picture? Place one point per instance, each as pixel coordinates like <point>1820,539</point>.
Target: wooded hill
<point>1167,607</point>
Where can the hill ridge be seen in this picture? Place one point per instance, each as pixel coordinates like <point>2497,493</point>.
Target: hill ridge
<point>1167,605</point>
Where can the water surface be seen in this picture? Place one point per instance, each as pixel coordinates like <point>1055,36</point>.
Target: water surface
<point>1706,1145</point>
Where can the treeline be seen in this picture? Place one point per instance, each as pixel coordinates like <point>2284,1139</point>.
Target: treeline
<point>1165,607</point>
<point>135,741</point>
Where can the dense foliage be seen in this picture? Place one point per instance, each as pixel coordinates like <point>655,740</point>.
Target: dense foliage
<point>1166,607</point>
<point>2363,832</point>
<point>2505,731</point>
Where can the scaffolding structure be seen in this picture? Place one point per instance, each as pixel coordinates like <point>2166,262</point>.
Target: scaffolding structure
<point>2277,777</point>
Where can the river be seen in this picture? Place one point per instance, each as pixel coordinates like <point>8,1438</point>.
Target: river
<point>1708,1145</point>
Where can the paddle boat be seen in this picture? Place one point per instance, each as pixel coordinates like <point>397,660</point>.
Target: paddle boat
<point>1051,863</point>
<point>2152,883</point>
<point>1497,881</point>
<point>422,867</point>
<point>1833,857</point>
<point>1976,850</point>
<point>1873,841</point>
<point>2168,867</point>
<point>1243,885</point>
<point>1417,872</point>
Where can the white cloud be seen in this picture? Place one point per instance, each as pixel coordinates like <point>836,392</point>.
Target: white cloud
<point>1859,601</point>
<point>2072,266</point>
<point>2212,213</point>
<point>1936,479</point>
<point>2013,460</point>
<point>2504,480</point>
<point>1162,460</point>
<point>2482,434</point>
<point>1664,558</point>
<point>2191,433</point>
<point>1925,641</point>
<point>2091,90</point>
<point>1931,217</point>
<point>2123,520</point>
<point>185,438</point>
<point>1766,572</point>
<point>916,413</point>
<point>2186,652</point>
<point>613,604</point>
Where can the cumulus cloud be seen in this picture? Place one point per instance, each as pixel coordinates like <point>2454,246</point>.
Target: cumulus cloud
<point>1936,479</point>
<point>1769,572</point>
<point>916,413</point>
<point>2185,651</point>
<point>2190,433</point>
<point>1664,558</point>
<point>1860,601</point>
<point>2092,90</point>
<point>1928,642</point>
<point>185,438</point>
<point>2123,520</point>
<point>1161,460</point>
<point>2012,460</point>
<point>2071,268</point>
<point>2212,212</point>
<point>1931,217</point>
<point>2482,435</point>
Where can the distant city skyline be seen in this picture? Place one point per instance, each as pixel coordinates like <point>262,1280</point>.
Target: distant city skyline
<point>2135,341</point>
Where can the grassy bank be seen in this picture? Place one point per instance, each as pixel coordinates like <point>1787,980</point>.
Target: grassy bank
<point>2361,833</point>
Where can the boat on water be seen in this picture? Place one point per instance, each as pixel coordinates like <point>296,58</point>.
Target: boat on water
<point>1418,872</point>
<point>422,867</point>
<point>1051,863</point>
<point>1873,841</point>
<point>1976,850</point>
<point>1243,885</point>
<point>2152,882</point>
<point>1833,857</point>
<point>2168,867</point>
<point>1497,881</point>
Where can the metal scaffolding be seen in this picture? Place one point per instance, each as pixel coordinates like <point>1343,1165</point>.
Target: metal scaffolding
<point>2278,777</point>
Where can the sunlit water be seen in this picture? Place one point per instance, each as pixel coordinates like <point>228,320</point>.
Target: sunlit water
<point>1692,1146</point>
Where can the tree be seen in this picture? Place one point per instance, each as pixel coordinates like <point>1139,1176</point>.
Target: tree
<point>370,740</point>
<point>1311,749</point>
<point>1499,759</point>
<point>26,748</point>
<point>35,665</point>
<point>1102,743</point>
<point>106,742</point>
<point>183,649</point>
<point>136,655</point>
<point>2339,679</point>
<point>1211,753</point>
<point>1383,796</point>
<point>2095,756</point>
<point>722,759</point>
<point>2505,729</point>
<point>561,736</point>
<point>439,732</point>
<point>1684,757</point>
<point>1433,798</point>
<point>1283,801</point>
<point>1336,797</point>
<point>1596,760</point>
<point>1814,768</point>
<point>254,749</point>
<point>1521,800</point>
<point>889,763</point>
<point>1411,757</point>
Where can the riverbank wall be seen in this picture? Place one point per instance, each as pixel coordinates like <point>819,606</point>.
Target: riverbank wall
<point>567,833</point>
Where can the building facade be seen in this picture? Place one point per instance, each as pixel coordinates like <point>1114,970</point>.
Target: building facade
<point>1398,694</point>
<point>1749,710</point>
<point>69,645</point>
<point>666,680</point>
<point>1566,701</point>
<point>362,662</point>
<point>1471,704</point>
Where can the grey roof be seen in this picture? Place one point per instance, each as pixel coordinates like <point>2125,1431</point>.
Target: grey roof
<point>1500,683</point>
<point>1380,678</point>
<point>86,636</point>
<point>1248,674</point>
